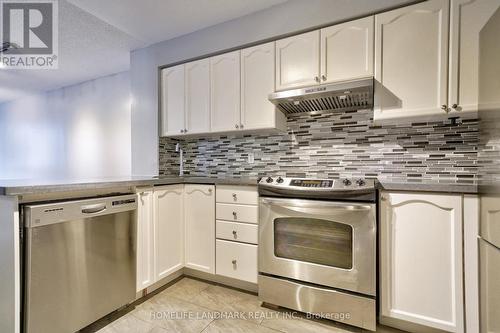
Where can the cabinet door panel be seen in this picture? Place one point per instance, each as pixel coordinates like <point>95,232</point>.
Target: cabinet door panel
<point>198,96</point>
<point>237,260</point>
<point>145,240</point>
<point>172,103</point>
<point>421,259</point>
<point>411,61</point>
<point>297,61</point>
<point>347,50</point>
<point>468,19</point>
<point>257,82</point>
<point>225,92</point>
<point>169,230</point>
<point>199,213</point>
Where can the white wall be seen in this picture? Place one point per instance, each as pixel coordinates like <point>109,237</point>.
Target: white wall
<point>81,131</point>
<point>289,17</point>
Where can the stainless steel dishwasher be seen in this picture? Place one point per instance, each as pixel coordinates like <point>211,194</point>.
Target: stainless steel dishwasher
<point>79,262</point>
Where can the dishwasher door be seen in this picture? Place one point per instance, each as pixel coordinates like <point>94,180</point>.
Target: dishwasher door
<point>79,262</point>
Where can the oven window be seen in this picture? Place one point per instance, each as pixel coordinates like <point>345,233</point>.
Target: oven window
<point>313,240</point>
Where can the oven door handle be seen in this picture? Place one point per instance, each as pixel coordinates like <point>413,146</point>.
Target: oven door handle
<point>302,205</point>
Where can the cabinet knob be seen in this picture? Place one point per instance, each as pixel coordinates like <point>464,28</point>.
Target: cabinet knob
<point>209,190</point>
<point>182,131</point>
<point>316,79</point>
<point>236,126</point>
<point>235,234</point>
<point>185,130</point>
<point>454,106</point>
<point>444,107</point>
<point>323,77</point>
<point>234,261</point>
<point>235,197</point>
<point>234,215</point>
<point>241,125</point>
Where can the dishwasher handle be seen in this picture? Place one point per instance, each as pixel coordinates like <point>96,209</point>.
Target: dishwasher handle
<point>92,209</point>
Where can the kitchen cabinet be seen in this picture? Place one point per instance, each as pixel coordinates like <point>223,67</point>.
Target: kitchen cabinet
<point>421,265</point>
<point>197,97</point>
<point>169,229</point>
<point>468,18</point>
<point>225,92</point>
<point>199,217</point>
<point>257,82</point>
<point>297,61</point>
<point>411,61</point>
<point>347,50</point>
<point>145,239</point>
<point>237,260</point>
<point>172,103</point>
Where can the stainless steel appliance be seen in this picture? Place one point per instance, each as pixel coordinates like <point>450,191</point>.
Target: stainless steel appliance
<point>79,262</point>
<point>342,96</point>
<point>317,247</point>
<point>489,273</point>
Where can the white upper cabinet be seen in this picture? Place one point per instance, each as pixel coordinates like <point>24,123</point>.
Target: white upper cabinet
<point>172,106</point>
<point>197,96</point>
<point>347,50</point>
<point>421,265</point>
<point>411,61</point>
<point>297,61</point>
<point>199,215</point>
<point>169,229</point>
<point>468,21</point>
<point>257,82</point>
<point>225,91</point>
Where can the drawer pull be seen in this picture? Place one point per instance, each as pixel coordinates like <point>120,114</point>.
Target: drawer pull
<point>234,261</point>
<point>234,215</point>
<point>234,234</point>
<point>234,197</point>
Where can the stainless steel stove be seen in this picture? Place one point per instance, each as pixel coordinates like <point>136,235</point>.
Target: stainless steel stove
<point>317,247</point>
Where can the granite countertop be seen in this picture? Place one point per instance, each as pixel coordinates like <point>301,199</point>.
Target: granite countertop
<point>45,186</point>
<point>27,187</point>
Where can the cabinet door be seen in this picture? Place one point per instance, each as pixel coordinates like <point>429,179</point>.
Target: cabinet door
<point>199,213</point>
<point>468,19</point>
<point>225,91</point>
<point>347,50</point>
<point>297,61</point>
<point>145,240</point>
<point>411,61</point>
<point>169,230</point>
<point>421,260</point>
<point>172,100</point>
<point>257,82</point>
<point>198,96</point>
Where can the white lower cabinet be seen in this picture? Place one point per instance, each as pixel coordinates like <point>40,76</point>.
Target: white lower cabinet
<point>160,234</point>
<point>421,265</point>
<point>238,232</point>
<point>199,215</point>
<point>169,230</point>
<point>237,260</point>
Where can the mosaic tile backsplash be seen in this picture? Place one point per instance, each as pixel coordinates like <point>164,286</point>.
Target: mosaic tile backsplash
<point>332,145</point>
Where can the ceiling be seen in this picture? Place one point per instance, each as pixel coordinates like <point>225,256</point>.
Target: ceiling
<point>96,36</point>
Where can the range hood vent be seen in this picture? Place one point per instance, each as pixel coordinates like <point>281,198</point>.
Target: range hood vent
<point>345,96</point>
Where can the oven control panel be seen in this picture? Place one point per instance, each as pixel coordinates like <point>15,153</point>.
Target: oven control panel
<point>322,183</point>
<point>318,184</point>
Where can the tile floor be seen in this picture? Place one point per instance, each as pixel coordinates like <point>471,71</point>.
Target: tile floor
<point>195,306</point>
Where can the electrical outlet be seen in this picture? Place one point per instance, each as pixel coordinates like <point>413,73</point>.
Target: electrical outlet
<point>251,158</point>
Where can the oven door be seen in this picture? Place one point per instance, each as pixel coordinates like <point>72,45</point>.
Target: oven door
<point>326,243</point>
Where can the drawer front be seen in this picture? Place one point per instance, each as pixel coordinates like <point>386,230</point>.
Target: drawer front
<point>237,232</point>
<point>246,195</point>
<point>236,260</point>
<point>237,213</point>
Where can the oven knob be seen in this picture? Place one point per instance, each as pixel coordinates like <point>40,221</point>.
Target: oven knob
<point>269,180</point>
<point>280,180</point>
<point>347,182</point>
<point>361,182</point>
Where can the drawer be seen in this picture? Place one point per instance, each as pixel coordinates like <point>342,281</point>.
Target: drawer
<point>236,260</point>
<point>237,213</point>
<point>238,232</point>
<point>246,195</point>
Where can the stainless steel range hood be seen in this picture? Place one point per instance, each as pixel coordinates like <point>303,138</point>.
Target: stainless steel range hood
<point>344,96</point>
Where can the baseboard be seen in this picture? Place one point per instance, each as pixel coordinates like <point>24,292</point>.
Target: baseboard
<point>230,282</point>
